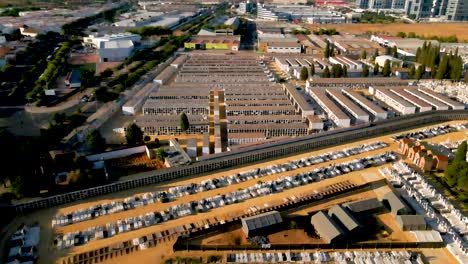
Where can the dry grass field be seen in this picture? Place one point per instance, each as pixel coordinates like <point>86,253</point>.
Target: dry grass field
<point>439,29</point>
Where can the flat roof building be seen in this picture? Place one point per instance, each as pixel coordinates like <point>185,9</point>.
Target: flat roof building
<point>365,103</point>
<point>438,105</point>
<point>444,99</point>
<point>333,111</point>
<point>359,115</point>
<point>422,106</point>
<point>397,103</point>
<point>261,224</point>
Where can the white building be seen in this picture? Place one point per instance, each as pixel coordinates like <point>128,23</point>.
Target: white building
<point>399,104</point>
<point>115,50</point>
<point>284,47</point>
<point>95,41</point>
<point>380,60</point>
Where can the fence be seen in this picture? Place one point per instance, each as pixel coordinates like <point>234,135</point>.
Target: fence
<point>267,151</point>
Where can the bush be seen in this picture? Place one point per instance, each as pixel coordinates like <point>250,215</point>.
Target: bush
<point>214,258</point>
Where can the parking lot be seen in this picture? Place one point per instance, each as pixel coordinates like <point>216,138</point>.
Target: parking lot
<point>48,253</point>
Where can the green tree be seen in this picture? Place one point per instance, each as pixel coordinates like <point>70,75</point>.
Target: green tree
<point>161,154</point>
<point>412,70</point>
<point>326,72</point>
<point>87,78</point>
<point>327,50</point>
<point>344,71</point>
<point>395,51</point>
<point>466,77</point>
<point>133,134</point>
<point>312,70</point>
<point>336,71</point>
<point>365,70</point>
<point>386,69</point>
<point>184,122</point>
<point>376,69</point>
<point>460,155</point>
<point>363,54</point>
<point>95,140</point>
<point>59,117</point>
<point>401,34</point>
<point>419,73</point>
<point>304,74</point>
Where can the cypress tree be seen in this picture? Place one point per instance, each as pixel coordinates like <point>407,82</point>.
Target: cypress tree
<point>344,71</point>
<point>376,69</point>
<point>312,70</point>
<point>386,69</point>
<point>327,50</point>
<point>304,74</point>
<point>419,73</point>
<point>365,70</point>
<point>326,72</point>
<point>412,70</point>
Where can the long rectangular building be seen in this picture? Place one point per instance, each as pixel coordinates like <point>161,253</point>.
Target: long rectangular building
<point>271,130</point>
<point>359,114</point>
<point>155,125</point>
<point>438,105</point>
<point>298,100</point>
<point>397,103</point>
<point>333,111</point>
<point>422,106</point>
<point>444,99</point>
<point>375,110</point>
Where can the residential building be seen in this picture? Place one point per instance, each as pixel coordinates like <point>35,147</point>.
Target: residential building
<point>418,8</point>
<point>423,155</point>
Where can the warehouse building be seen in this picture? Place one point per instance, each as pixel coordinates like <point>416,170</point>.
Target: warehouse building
<point>352,45</point>
<point>261,224</point>
<point>359,115</point>
<point>115,50</point>
<point>376,111</point>
<point>397,103</point>
<point>395,204</point>
<point>284,47</point>
<point>454,105</point>
<point>438,105</point>
<point>97,40</point>
<point>326,228</point>
<point>366,206</point>
<point>344,219</point>
<point>165,75</point>
<point>422,106</point>
<point>265,40</point>
<point>411,222</point>
<point>213,43</point>
<point>332,110</point>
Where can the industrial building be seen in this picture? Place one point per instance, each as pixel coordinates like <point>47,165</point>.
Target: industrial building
<point>352,45</point>
<point>395,204</point>
<point>115,50</point>
<point>397,103</point>
<point>326,228</point>
<point>261,224</point>
<point>376,111</point>
<point>155,125</point>
<point>97,40</point>
<point>411,222</point>
<point>278,43</point>
<point>344,219</point>
<point>333,111</point>
<point>364,206</point>
<point>213,43</point>
<point>359,115</point>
